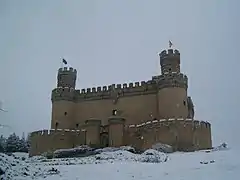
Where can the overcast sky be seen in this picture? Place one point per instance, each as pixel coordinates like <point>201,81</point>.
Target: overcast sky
<point>113,41</point>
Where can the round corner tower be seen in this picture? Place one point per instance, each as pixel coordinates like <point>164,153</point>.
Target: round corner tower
<point>116,131</point>
<point>172,84</point>
<point>63,99</point>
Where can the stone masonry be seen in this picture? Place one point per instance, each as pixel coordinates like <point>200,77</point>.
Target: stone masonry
<point>138,114</point>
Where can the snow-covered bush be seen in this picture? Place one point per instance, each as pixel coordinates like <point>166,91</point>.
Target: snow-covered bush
<point>153,156</point>
<point>150,156</point>
<point>80,151</point>
<point>163,148</point>
<point>13,167</point>
<point>113,149</point>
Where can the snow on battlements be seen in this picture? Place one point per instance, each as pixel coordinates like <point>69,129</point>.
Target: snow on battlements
<point>166,122</point>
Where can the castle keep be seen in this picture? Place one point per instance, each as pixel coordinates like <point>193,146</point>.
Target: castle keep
<point>138,114</point>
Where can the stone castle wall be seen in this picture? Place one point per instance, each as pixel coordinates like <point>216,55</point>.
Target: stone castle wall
<point>86,112</point>
<point>134,101</point>
<point>182,134</point>
<point>51,140</point>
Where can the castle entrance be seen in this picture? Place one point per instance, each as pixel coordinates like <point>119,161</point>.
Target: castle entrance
<point>104,139</point>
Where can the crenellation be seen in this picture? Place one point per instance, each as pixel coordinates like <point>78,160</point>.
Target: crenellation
<point>45,132</point>
<point>109,88</point>
<point>66,69</point>
<point>119,86</point>
<point>143,83</point>
<point>203,124</point>
<point>130,85</point>
<point>173,80</point>
<point>132,88</point>
<point>170,52</point>
<point>99,89</point>
<point>88,90</point>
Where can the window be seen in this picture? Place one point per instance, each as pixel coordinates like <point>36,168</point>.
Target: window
<point>65,113</point>
<point>184,103</point>
<point>56,125</point>
<point>77,125</point>
<point>170,69</point>
<point>114,112</point>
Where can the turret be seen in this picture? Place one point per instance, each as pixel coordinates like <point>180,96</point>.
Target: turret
<point>170,61</point>
<point>67,77</point>
<point>116,131</point>
<point>172,85</point>
<point>92,127</point>
<point>63,97</point>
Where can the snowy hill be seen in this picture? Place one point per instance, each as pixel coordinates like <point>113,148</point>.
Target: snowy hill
<point>219,164</point>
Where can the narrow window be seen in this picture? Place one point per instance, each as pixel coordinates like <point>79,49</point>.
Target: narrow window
<point>184,103</point>
<point>65,113</point>
<point>170,69</point>
<point>56,125</point>
<point>77,125</point>
<point>114,112</point>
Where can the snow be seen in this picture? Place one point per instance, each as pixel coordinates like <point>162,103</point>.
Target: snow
<point>221,163</point>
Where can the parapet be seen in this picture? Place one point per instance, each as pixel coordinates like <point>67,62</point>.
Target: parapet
<point>67,70</point>
<point>52,132</point>
<point>63,93</point>
<point>196,124</point>
<point>170,54</point>
<point>116,120</point>
<point>116,90</point>
<point>172,80</point>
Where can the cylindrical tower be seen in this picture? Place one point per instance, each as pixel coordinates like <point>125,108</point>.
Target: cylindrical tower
<point>63,104</point>
<point>67,77</point>
<point>170,61</point>
<point>93,127</point>
<point>172,84</point>
<point>116,131</point>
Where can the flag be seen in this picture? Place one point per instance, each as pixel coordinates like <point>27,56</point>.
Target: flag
<point>170,44</point>
<point>64,61</point>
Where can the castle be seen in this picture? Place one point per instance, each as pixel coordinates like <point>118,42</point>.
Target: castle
<point>138,114</point>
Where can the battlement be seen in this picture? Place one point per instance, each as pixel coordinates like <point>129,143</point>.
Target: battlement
<point>67,70</point>
<point>50,132</point>
<point>117,90</point>
<point>170,53</point>
<point>172,80</point>
<point>63,93</point>
<point>166,122</point>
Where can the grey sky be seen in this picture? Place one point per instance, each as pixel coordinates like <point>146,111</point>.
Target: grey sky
<point>112,41</point>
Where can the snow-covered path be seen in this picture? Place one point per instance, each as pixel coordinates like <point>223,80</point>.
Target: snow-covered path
<point>180,166</point>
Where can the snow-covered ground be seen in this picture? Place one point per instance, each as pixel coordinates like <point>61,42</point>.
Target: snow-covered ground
<point>123,165</point>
